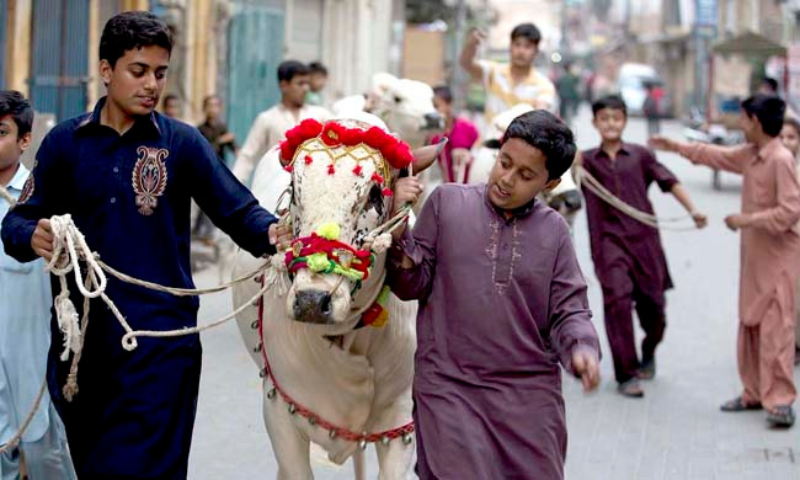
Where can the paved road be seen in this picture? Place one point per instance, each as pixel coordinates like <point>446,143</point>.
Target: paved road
<point>675,432</point>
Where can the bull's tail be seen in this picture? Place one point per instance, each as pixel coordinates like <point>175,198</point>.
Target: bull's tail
<point>359,465</point>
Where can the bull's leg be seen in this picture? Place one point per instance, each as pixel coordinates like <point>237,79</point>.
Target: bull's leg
<point>290,446</point>
<point>395,460</point>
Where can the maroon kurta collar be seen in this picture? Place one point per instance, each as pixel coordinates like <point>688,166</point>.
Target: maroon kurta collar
<point>520,212</point>
<point>623,148</point>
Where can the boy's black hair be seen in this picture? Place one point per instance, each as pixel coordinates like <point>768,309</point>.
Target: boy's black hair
<point>613,102</point>
<point>527,31</point>
<point>317,67</point>
<point>133,30</point>
<point>170,97</point>
<point>541,129</point>
<point>771,83</point>
<point>14,103</point>
<point>291,68</point>
<point>444,92</point>
<point>769,110</point>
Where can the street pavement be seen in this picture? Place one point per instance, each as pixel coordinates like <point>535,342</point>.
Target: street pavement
<point>675,432</point>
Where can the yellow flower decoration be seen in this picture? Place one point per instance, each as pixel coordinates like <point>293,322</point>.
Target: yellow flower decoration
<point>318,262</point>
<point>329,230</point>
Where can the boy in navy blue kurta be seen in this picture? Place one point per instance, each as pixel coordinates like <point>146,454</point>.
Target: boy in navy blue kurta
<point>126,175</point>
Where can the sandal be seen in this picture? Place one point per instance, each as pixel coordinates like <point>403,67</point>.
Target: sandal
<point>648,370</point>
<point>631,388</point>
<point>782,416</point>
<point>738,405</point>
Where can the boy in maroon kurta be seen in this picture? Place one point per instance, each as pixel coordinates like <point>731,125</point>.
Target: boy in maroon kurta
<point>502,302</point>
<point>627,254</point>
<point>770,249</point>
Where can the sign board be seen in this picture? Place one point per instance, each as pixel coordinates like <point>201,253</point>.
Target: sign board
<point>706,12</point>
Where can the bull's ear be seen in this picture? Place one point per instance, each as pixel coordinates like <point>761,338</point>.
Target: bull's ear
<point>425,156</point>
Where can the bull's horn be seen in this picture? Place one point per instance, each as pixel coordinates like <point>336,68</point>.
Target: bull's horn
<point>425,156</point>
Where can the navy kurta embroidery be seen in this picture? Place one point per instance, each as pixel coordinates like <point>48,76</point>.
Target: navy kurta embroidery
<point>130,196</point>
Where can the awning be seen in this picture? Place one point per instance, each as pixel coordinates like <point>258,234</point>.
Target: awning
<point>749,44</point>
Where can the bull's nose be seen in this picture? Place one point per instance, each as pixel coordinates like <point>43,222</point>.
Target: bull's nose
<point>313,306</point>
<point>433,121</point>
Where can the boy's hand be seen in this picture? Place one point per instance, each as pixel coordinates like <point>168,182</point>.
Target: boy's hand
<point>42,239</point>
<point>700,219</point>
<point>281,236</point>
<point>735,222</point>
<point>660,142</point>
<point>475,38</point>
<point>407,190</point>
<point>584,364</point>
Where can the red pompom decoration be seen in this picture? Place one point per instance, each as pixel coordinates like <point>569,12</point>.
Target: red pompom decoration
<point>308,159</point>
<point>394,151</point>
<point>332,134</point>
<point>331,169</point>
<point>288,168</point>
<point>286,150</point>
<point>351,136</point>
<point>308,128</point>
<point>377,138</point>
<point>358,170</point>
<point>387,192</point>
<point>377,178</point>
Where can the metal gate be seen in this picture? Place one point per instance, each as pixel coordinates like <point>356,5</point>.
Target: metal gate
<point>59,57</point>
<point>3,28</point>
<point>256,36</point>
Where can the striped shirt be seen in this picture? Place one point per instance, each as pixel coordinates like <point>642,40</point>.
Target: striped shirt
<point>503,93</point>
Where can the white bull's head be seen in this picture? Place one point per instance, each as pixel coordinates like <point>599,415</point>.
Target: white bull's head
<point>405,105</point>
<point>342,173</point>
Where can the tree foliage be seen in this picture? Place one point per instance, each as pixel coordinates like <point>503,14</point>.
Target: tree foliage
<point>426,11</point>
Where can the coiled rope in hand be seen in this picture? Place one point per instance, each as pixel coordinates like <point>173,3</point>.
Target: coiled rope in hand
<point>69,249</point>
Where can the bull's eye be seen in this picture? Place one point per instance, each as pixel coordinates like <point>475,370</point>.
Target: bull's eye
<point>376,199</point>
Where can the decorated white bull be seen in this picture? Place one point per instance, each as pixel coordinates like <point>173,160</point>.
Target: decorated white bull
<point>565,198</point>
<point>334,345</point>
